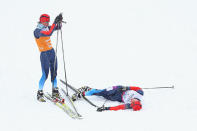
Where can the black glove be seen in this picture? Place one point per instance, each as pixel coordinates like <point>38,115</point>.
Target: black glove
<point>100,109</point>
<point>123,88</point>
<point>58,19</point>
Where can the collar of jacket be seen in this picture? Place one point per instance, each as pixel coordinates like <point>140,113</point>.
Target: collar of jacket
<point>40,26</point>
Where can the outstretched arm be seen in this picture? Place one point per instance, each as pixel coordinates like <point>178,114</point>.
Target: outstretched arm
<point>135,106</point>
<point>137,89</point>
<point>119,107</point>
<point>125,88</point>
<point>115,108</point>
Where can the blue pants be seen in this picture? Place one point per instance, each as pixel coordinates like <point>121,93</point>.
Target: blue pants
<point>47,59</point>
<point>113,95</point>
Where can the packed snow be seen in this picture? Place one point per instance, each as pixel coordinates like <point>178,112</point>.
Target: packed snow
<point>146,43</point>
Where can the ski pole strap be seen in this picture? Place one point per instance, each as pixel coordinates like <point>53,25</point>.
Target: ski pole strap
<point>64,22</point>
<point>172,87</point>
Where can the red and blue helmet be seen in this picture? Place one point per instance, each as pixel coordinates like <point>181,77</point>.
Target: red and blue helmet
<point>44,18</point>
<point>136,104</point>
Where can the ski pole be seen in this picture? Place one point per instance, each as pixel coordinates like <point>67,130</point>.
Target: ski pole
<point>64,62</point>
<point>55,62</point>
<point>169,87</point>
<point>104,102</point>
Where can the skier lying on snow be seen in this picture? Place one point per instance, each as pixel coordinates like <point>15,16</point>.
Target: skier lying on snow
<point>131,96</point>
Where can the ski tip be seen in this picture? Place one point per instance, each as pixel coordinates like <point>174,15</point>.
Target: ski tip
<point>77,117</point>
<point>80,117</point>
<point>42,100</point>
<point>173,86</point>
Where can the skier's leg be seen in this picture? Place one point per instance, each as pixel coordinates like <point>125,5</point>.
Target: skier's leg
<point>113,94</point>
<point>102,92</point>
<point>45,69</point>
<point>93,92</point>
<point>114,87</point>
<point>53,68</point>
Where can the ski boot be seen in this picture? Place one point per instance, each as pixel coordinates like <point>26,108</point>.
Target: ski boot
<point>84,88</point>
<point>81,92</point>
<point>40,96</point>
<point>55,93</point>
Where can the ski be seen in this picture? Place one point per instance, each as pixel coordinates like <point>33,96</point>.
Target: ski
<point>60,103</point>
<point>76,91</point>
<point>71,101</point>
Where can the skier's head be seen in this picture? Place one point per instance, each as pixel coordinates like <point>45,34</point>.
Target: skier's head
<point>136,104</point>
<point>45,19</point>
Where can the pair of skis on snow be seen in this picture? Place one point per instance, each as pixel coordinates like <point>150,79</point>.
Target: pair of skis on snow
<point>60,102</point>
<point>76,91</point>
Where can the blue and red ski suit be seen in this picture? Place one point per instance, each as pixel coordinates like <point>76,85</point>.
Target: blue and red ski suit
<point>117,93</point>
<point>47,54</point>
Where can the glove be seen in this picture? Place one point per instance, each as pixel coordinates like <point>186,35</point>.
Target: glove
<point>123,88</point>
<point>100,109</point>
<point>58,19</point>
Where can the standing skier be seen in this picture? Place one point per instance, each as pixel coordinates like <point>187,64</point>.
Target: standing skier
<point>48,59</point>
<point>130,96</point>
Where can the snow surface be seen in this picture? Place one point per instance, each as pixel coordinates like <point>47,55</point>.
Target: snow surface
<point>145,43</point>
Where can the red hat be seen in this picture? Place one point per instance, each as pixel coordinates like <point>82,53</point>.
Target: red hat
<point>44,18</point>
<point>136,104</point>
